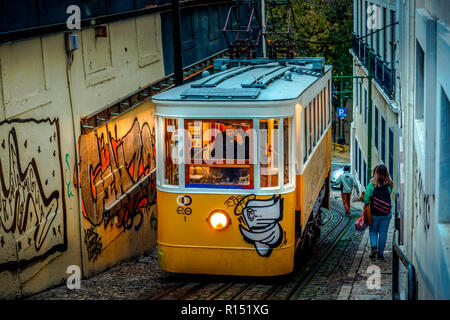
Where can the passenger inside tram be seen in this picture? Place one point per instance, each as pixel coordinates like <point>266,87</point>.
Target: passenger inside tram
<point>220,153</point>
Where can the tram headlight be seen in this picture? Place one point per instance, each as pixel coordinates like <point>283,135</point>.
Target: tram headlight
<point>219,220</point>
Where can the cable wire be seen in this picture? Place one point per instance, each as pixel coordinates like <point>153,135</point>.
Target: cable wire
<point>345,41</point>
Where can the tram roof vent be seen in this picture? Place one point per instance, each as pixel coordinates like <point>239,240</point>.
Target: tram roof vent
<point>220,93</point>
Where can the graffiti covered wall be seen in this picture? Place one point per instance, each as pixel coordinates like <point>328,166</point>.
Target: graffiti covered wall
<point>32,210</point>
<point>117,182</point>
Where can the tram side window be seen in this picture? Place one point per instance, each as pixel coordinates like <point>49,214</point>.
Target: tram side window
<point>269,152</point>
<point>322,119</point>
<point>321,114</point>
<point>310,129</point>
<point>287,149</point>
<point>316,103</point>
<point>219,153</point>
<point>171,171</point>
<point>314,125</point>
<point>328,103</point>
<point>305,125</point>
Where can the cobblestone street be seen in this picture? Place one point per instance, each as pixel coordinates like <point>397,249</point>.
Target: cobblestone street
<point>343,275</point>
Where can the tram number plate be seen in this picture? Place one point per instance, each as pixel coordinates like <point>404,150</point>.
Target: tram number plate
<point>184,210</point>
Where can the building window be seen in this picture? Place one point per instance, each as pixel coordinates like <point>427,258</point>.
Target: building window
<point>364,20</point>
<point>365,173</point>
<point>420,89</point>
<point>187,31</point>
<point>376,128</point>
<point>383,138</point>
<point>384,35</point>
<point>360,97</point>
<point>365,105</point>
<point>444,156</point>
<point>214,23</point>
<point>392,39</point>
<point>355,153</point>
<point>377,35</point>
<point>360,166</point>
<point>357,18</point>
<point>391,153</point>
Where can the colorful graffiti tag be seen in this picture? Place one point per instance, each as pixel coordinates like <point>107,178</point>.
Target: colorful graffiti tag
<point>32,210</point>
<point>116,180</point>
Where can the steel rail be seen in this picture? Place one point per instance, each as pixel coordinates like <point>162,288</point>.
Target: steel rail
<point>239,290</point>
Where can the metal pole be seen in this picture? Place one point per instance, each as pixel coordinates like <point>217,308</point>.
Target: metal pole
<point>395,275</point>
<point>263,18</point>
<point>177,49</point>
<point>369,119</point>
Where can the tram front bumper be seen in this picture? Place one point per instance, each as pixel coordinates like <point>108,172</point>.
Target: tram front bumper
<point>225,261</point>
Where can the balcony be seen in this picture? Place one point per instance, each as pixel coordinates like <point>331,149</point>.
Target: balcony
<point>382,74</point>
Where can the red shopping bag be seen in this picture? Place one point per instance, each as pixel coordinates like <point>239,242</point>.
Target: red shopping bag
<point>361,223</point>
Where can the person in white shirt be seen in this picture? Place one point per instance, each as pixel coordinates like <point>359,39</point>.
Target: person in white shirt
<point>347,182</point>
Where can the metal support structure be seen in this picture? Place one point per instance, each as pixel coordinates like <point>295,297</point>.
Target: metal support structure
<point>399,256</point>
<point>280,32</point>
<point>177,49</point>
<point>243,37</point>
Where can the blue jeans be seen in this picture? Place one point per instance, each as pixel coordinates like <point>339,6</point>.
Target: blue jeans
<point>378,232</point>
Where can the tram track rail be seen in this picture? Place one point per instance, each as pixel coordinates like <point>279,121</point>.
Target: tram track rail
<point>335,223</point>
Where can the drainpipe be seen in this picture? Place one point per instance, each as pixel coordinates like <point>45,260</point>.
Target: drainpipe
<point>177,48</point>
<point>70,57</point>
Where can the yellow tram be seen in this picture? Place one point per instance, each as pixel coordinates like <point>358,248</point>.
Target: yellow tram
<point>243,166</point>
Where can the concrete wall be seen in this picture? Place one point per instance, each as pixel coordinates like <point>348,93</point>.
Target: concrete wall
<point>51,214</point>
<point>425,205</point>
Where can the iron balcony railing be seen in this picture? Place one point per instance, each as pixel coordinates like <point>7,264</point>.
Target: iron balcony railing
<point>382,74</point>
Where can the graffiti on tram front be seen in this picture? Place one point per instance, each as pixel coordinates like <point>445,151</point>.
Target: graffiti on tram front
<point>32,210</point>
<point>110,168</point>
<point>260,222</point>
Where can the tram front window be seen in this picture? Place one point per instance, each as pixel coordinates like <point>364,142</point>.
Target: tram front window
<point>219,153</point>
<point>170,146</point>
<point>269,152</point>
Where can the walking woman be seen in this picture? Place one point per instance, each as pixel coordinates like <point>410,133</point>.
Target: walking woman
<point>378,195</point>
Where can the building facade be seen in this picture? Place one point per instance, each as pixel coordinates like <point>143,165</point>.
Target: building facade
<point>374,52</point>
<point>410,124</point>
<point>425,92</point>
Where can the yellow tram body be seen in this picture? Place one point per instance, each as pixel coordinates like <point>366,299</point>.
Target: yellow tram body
<point>188,244</point>
<point>252,226</point>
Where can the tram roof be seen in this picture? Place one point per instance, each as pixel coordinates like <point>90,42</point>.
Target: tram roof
<point>251,80</point>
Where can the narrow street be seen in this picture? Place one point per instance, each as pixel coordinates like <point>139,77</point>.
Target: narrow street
<point>341,274</point>
<point>232,150</point>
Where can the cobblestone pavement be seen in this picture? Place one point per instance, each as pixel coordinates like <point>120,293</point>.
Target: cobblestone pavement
<point>356,286</point>
<point>343,274</point>
<point>326,283</point>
